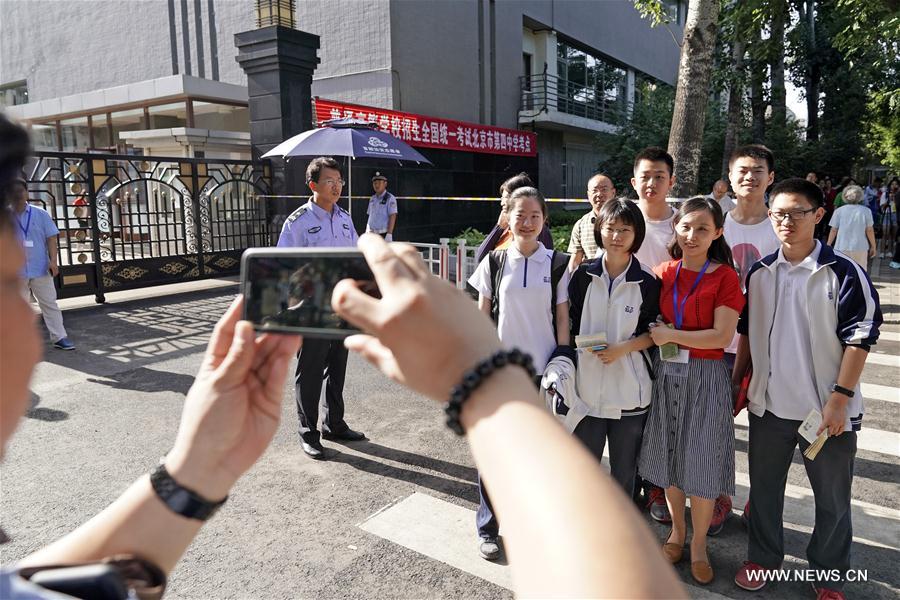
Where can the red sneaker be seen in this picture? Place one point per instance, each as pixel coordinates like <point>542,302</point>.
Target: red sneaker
<point>826,594</point>
<point>750,577</point>
<point>721,512</point>
<point>659,510</point>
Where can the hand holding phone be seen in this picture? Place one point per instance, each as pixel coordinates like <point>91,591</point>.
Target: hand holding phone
<point>289,290</point>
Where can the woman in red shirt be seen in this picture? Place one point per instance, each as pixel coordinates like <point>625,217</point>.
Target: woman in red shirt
<point>688,446</point>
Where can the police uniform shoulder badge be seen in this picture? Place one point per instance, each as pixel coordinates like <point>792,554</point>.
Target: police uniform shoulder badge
<point>296,214</point>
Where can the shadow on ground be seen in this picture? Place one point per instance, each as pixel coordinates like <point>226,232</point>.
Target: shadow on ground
<point>126,336</point>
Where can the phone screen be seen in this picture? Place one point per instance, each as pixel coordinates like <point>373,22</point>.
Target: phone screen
<point>290,290</point>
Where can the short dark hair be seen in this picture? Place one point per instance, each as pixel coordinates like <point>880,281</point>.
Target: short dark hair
<point>625,211</point>
<point>719,251</point>
<point>655,154</point>
<point>527,192</point>
<point>796,185</point>
<point>515,182</point>
<point>317,164</point>
<point>757,151</point>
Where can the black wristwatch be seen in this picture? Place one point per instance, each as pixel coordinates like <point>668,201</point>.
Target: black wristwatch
<point>842,390</point>
<point>180,499</point>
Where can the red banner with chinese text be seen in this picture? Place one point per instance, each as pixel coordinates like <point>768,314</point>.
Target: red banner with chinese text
<point>432,132</point>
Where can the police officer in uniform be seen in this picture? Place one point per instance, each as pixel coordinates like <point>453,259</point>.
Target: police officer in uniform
<point>382,209</point>
<point>321,223</point>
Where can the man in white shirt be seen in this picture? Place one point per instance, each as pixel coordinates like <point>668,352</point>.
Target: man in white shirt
<point>382,209</point>
<point>751,236</point>
<point>720,194</point>
<point>652,181</point>
<point>747,227</point>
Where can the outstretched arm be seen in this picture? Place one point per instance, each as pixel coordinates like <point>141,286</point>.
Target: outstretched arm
<point>230,415</point>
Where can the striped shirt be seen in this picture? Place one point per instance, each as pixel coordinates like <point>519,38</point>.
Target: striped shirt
<point>583,237</point>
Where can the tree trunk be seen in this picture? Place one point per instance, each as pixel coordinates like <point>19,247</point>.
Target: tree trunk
<point>813,73</point>
<point>758,69</point>
<point>735,104</point>
<point>778,93</point>
<point>692,93</point>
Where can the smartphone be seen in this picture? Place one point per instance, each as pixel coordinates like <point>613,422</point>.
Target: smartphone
<point>288,290</point>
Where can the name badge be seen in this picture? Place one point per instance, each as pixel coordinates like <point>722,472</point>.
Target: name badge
<point>683,356</point>
<point>29,243</point>
<point>316,229</point>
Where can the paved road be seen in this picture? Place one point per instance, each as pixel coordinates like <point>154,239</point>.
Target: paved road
<point>391,517</point>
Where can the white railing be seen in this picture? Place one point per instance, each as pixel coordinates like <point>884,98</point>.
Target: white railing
<point>450,264</point>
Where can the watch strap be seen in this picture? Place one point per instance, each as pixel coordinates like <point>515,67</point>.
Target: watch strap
<point>181,500</point>
<point>842,390</point>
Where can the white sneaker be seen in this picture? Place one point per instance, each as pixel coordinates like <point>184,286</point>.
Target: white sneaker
<point>489,548</point>
<point>895,265</point>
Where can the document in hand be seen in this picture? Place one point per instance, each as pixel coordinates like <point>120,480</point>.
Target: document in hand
<point>808,429</point>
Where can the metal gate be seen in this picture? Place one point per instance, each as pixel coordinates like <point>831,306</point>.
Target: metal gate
<point>133,221</point>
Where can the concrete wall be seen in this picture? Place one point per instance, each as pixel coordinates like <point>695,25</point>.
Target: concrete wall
<point>355,49</point>
<point>614,28</point>
<point>435,53</point>
<point>63,48</point>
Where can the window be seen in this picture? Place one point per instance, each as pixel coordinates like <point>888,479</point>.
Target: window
<point>13,94</point>
<point>526,69</point>
<point>589,85</point>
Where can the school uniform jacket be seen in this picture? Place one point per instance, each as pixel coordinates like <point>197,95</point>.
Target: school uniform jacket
<point>624,385</point>
<point>843,310</point>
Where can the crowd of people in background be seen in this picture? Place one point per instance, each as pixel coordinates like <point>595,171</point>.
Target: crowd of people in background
<point>674,316</point>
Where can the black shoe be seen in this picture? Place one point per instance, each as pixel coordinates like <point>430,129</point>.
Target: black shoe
<point>348,435</point>
<point>313,450</point>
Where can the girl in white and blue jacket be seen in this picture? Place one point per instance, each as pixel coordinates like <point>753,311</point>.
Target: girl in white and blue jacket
<point>617,296</point>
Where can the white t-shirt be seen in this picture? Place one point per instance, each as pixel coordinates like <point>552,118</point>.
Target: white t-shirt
<point>525,320</point>
<point>749,243</point>
<point>851,222</point>
<point>791,391</point>
<point>726,203</point>
<point>654,250</point>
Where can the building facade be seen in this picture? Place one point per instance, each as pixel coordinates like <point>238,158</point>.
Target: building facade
<point>160,77</point>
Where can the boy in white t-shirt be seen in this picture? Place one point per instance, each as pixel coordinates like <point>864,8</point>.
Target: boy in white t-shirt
<point>749,232</point>
<point>652,181</point>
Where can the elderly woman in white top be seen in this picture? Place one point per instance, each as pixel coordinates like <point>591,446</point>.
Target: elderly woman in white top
<point>852,228</point>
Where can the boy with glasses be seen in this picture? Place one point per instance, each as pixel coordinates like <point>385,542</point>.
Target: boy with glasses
<point>811,317</point>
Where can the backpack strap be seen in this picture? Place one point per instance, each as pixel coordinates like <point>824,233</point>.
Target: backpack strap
<point>496,262</point>
<point>559,262</point>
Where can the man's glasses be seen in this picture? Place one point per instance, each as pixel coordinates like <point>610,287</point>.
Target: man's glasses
<point>794,215</point>
<point>333,182</point>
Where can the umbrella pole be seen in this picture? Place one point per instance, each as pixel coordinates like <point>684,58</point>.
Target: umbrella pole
<point>350,185</point>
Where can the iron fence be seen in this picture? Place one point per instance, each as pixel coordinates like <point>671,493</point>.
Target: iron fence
<point>134,221</point>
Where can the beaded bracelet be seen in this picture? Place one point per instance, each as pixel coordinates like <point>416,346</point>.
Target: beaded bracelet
<point>475,377</point>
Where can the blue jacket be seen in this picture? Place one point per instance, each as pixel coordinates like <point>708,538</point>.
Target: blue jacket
<point>843,310</point>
